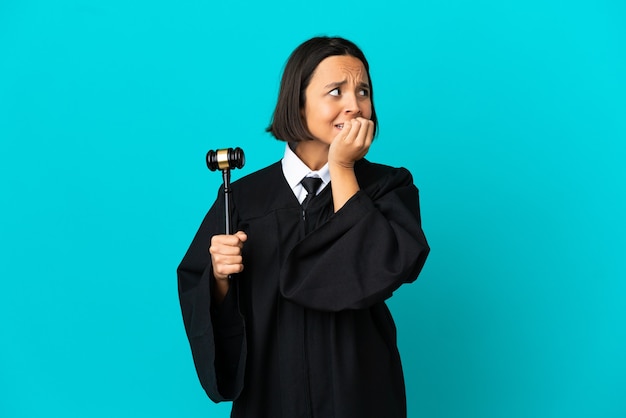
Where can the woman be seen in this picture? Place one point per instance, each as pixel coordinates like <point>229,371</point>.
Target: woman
<point>303,330</point>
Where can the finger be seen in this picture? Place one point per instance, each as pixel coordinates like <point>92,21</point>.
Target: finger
<point>231,240</point>
<point>224,250</point>
<point>340,137</point>
<point>221,270</point>
<point>355,127</point>
<point>224,271</point>
<point>225,245</point>
<point>243,237</point>
<point>220,259</point>
<point>362,134</point>
<point>229,261</point>
<point>359,140</point>
<point>369,134</point>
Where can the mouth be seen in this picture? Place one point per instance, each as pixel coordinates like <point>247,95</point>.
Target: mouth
<point>339,126</point>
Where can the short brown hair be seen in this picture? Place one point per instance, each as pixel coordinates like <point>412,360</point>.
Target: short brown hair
<point>287,123</point>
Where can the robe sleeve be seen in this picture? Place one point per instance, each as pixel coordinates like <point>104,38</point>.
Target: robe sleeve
<point>364,252</point>
<point>216,333</point>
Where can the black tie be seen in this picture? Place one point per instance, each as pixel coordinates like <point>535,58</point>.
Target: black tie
<point>310,184</point>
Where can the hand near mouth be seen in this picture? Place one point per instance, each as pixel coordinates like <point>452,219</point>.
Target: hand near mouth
<point>352,143</point>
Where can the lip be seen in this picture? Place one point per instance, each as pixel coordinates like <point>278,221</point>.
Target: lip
<point>339,126</point>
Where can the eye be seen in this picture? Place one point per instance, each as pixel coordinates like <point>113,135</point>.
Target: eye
<point>335,92</point>
<point>364,92</point>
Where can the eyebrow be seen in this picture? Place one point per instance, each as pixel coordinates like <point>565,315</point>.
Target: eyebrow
<point>341,83</point>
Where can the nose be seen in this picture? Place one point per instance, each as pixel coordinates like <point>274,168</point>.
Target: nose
<point>352,105</point>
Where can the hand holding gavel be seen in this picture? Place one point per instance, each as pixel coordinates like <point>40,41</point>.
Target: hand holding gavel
<point>226,249</point>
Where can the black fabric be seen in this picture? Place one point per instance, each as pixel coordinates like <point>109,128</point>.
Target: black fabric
<point>304,331</point>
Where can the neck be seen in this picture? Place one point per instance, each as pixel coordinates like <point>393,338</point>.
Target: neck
<point>312,153</point>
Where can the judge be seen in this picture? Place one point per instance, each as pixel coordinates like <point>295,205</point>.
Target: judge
<point>323,238</point>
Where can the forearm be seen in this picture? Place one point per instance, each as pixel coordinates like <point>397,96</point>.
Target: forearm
<point>220,289</point>
<point>344,184</point>
<point>365,251</point>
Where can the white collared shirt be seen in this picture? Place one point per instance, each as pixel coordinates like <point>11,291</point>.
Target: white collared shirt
<point>295,170</point>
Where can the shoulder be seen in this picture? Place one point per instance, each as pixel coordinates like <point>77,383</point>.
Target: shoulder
<point>261,177</point>
<point>261,192</point>
<point>376,175</point>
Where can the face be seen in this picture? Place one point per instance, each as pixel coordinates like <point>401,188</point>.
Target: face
<point>338,91</point>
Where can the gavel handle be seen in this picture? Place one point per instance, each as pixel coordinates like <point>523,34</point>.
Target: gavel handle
<point>227,214</point>
<point>227,191</point>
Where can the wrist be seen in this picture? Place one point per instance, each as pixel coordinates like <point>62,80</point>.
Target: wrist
<point>220,277</point>
<point>220,288</point>
<point>341,166</point>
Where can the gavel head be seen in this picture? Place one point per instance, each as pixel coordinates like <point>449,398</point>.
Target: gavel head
<point>225,159</point>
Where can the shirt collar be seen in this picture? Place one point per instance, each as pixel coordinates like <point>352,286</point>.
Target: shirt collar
<point>295,170</point>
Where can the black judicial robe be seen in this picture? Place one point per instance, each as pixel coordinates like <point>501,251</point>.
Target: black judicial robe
<point>304,330</point>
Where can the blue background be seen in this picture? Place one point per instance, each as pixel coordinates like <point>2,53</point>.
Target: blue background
<point>511,116</point>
